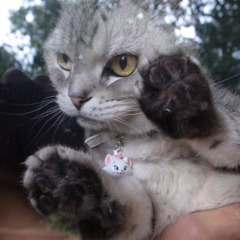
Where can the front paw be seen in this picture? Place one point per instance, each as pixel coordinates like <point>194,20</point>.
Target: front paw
<point>176,96</point>
<point>63,181</point>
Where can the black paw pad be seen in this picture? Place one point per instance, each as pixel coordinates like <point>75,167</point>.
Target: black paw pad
<point>158,77</point>
<point>43,183</point>
<point>104,221</point>
<point>74,191</point>
<point>176,96</point>
<point>46,204</point>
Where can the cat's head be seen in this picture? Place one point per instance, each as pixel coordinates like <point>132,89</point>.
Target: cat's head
<point>118,166</point>
<point>95,56</point>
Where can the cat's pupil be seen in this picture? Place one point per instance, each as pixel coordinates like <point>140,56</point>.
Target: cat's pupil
<point>65,58</point>
<point>123,62</point>
<point>115,167</point>
<point>125,168</point>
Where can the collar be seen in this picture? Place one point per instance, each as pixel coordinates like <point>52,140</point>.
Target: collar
<point>98,139</point>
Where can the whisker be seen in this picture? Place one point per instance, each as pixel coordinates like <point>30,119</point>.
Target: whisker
<point>123,122</point>
<point>52,98</point>
<point>49,112</point>
<point>226,79</point>
<point>37,119</point>
<point>28,112</point>
<point>110,127</point>
<point>44,125</point>
<point>61,119</point>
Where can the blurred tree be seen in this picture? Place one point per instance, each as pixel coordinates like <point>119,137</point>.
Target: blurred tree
<point>7,60</point>
<point>35,21</point>
<point>218,25</point>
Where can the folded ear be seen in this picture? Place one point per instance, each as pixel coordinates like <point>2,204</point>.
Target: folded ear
<point>143,4</point>
<point>78,3</point>
<point>108,159</point>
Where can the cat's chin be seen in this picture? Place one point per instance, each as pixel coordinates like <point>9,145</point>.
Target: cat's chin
<point>91,124</point>
<point>134,126</point>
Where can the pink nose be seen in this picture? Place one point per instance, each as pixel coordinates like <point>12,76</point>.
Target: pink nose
<point>78,101</point>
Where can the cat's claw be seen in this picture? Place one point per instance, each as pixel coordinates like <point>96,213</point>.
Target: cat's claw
<point>176,96</point>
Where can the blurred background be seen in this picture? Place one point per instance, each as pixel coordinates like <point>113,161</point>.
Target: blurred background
<point>211,27</point>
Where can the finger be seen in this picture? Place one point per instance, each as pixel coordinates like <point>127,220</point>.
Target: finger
<point>222,223</point>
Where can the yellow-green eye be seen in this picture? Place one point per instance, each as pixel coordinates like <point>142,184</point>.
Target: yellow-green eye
<point>123,65</point>
<point>64,62</point>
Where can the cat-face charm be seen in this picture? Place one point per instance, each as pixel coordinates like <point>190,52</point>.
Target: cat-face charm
<point>117,165</point>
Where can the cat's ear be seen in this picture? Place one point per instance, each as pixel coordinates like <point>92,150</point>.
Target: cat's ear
<point>108,159</point>
<point>143,4</point>
<point>128,161</point>
<point>65,3</point>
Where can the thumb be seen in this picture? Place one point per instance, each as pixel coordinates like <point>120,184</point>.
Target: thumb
<point>222,223</point>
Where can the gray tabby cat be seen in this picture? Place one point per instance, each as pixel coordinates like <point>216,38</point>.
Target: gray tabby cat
<point>128,83</point>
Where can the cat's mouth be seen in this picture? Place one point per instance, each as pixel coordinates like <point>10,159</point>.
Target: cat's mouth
<point>115,114</point>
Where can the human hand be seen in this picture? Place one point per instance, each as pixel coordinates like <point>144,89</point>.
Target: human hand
<point>218,224</point>
<point>30,117</point>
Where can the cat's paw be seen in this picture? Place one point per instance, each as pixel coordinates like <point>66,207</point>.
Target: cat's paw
<point>61,180</point>
<point>176,96</point>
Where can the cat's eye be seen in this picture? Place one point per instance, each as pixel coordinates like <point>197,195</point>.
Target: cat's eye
<point>64,61</point>
<point>123,65</point>
<point>115,167</point>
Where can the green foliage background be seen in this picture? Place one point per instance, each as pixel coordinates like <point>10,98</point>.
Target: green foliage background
<point>220,51</point>
<point>7,60</point>
<point>218,28</point>
<point>44,19</point>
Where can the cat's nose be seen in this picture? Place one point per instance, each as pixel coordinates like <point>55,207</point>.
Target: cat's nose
<point>78,101</point>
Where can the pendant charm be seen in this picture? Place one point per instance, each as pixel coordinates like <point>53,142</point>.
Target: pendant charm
<point>116,164</point>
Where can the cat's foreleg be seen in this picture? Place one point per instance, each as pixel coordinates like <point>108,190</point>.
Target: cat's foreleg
<point>178,96</point>
<point>61,180</point>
